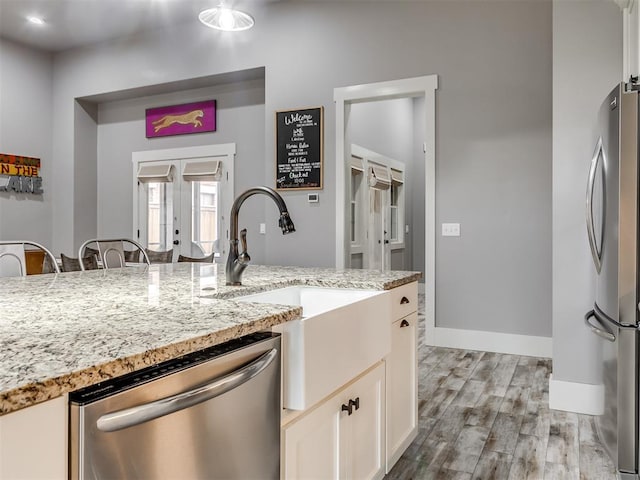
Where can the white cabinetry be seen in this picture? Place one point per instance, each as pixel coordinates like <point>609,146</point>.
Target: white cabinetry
<point>363,428</point>
<point>402,374</point>
<point>33,442</point>
<point>343,437</point>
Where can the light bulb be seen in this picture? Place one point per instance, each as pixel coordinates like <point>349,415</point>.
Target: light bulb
<point>227,21</point>
<point>35,20</point>
<point>223,18</point>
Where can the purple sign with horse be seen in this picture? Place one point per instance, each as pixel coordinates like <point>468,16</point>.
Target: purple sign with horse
<point>181,119</point>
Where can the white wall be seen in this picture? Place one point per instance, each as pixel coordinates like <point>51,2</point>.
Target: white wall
<point>587,63</point>
<point>25,129</point>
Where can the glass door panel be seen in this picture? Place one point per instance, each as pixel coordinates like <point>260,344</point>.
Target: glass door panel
<point>204,217</point>
<point>159,216</point>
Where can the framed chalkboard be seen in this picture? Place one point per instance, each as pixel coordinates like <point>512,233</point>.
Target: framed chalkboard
<point>299,149</point>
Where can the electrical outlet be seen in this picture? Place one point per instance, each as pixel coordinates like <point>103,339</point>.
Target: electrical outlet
<point>450,229</point>
<point>263,228</point>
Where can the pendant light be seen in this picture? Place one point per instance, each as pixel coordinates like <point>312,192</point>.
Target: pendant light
<point>227,19</point>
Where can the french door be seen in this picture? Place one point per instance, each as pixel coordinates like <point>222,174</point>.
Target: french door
<point>183,204</point>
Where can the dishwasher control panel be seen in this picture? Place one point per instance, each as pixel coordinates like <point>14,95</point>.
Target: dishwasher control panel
<point>125,382</point>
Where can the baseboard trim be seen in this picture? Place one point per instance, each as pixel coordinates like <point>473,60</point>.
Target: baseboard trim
<point>576,397</point>
<point>489,341</point>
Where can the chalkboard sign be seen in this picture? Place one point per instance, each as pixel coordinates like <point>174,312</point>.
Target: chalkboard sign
<point>299,139</point>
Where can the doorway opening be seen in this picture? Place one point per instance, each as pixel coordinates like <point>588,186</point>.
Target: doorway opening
<point>422,88</point>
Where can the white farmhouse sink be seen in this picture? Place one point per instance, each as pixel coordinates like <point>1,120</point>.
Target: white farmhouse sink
<point>342,333</point>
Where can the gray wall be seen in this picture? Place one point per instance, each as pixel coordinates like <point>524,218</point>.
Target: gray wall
<point>25,129</point>
<point>587,63</point>
<point>86,175</point>
<point>121,130</point>
<point>493,129</point>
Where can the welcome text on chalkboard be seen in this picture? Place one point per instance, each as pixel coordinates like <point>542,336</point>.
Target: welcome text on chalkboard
<point>299,148</point>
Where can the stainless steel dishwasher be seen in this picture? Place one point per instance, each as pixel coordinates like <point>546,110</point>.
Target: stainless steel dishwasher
<point>212,414</point>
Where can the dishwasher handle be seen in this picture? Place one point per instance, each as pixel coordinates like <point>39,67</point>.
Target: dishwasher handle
<point>129,417</point>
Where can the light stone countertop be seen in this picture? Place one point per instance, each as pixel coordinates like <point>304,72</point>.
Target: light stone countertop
<point>62,332</point>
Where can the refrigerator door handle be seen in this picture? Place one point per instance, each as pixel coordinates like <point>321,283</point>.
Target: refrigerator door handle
<point>601,331</point>
<point>589,204</point>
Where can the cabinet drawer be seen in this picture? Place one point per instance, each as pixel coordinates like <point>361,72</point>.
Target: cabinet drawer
<point>404,300</point>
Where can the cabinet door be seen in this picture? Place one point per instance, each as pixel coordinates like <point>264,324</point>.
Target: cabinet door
<point>363,446</point>
<point>328,443</point>
<point>402,382</point>
<point>311,444</point>
<point>34,442</point>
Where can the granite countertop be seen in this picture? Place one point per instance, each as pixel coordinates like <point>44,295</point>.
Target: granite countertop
<point>62,332</point>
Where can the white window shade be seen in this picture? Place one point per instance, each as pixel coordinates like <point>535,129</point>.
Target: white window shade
<point>202,171</point>
<point>155,173</point>
<point>356,164</point>
<point>379,177</point>
<point>397,177</point>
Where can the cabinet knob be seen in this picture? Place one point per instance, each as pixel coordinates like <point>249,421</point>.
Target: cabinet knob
<point>347,408</point>
<point>355,403</point>
<point>404,323</point>
<point>404,301</point>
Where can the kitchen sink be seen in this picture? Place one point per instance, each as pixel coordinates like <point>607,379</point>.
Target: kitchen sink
<point>342,332</point>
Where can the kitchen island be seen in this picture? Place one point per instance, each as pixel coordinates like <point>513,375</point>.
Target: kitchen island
<point>62,332</point>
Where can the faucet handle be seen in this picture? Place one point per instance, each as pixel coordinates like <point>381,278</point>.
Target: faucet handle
<point>244,255</point>
<point>243,239</point>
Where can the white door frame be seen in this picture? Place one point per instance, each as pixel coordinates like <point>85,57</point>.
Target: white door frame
<point>410,87</point>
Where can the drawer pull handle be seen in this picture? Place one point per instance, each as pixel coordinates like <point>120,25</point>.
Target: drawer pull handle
<point>347,408</point>
<point>404,301</point>
<point>355,403</point>
<point>404,323</point>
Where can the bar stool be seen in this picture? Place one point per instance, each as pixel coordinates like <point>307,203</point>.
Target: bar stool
<point>207,259</point>
<point>160,257</point>
<point>13,259</point>
<point>112,254</point>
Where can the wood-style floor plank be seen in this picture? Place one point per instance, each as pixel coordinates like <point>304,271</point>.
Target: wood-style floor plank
<point>563,446</point>
<point>504,433</point>
<point>467,448</point>
<point>529,458</point>
<point>485,411</point>
<point>492,465</point>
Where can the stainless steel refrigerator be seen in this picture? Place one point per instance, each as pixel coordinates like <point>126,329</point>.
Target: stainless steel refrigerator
<point>612,226</point>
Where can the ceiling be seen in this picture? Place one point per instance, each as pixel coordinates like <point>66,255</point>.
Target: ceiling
<point>73,23</point>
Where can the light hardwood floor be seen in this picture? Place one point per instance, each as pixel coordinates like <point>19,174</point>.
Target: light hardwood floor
<point>486,416</point>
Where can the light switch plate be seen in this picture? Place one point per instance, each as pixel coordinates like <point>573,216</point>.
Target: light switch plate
<point>450,229</point>
<point>263,228</point>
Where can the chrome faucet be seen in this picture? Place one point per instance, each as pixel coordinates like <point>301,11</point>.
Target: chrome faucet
<point>236,263</point>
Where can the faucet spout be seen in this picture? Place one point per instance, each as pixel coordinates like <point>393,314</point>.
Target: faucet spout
<point>237,262</point>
